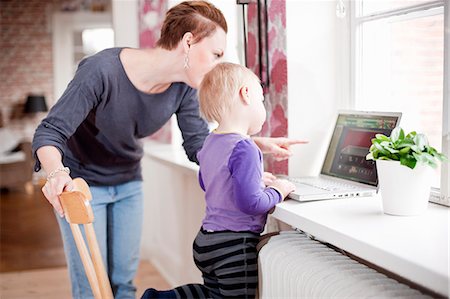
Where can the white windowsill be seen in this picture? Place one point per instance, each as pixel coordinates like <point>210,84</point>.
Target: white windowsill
<point>170,155</point>
<point>415,247</point>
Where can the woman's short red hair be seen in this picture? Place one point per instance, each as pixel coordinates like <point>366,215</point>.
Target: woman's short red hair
<point>201,18</point>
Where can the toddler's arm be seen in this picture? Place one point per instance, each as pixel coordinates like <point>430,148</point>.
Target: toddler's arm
<point>283,186</point>
<point>245,166</point>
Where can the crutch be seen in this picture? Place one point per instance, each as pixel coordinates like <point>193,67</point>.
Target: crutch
<point>77,210</point>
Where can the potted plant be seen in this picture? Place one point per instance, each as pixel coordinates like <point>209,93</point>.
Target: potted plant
<point>404,166</point>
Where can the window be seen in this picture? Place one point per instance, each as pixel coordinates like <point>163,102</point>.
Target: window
<point>90,41</point>
<point>398,65</point>
<point>95,40</point>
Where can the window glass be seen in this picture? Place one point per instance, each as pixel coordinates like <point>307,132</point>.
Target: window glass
<point>95,40</point>
<point>374,6</point>
<point>402,70</point>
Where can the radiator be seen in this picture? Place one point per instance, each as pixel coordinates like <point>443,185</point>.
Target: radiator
<point>291,265</point>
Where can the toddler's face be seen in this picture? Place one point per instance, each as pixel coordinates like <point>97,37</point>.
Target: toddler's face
<point>258,115</point>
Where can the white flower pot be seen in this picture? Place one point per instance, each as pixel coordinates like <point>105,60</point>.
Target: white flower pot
<point>404,191</point>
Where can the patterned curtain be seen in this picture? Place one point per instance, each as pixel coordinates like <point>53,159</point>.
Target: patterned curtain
<point>273,70</point>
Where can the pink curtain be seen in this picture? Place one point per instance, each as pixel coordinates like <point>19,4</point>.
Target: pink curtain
<point>272,31</point>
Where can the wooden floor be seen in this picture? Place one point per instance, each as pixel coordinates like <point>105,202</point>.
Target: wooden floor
<point>54,283</point>
<point>29,233</point>
<point>32,263</point>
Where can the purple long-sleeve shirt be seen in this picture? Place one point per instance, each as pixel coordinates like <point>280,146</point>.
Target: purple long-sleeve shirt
<point>231,172</point>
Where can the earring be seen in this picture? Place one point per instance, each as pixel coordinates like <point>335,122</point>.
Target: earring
<point>186,61</point>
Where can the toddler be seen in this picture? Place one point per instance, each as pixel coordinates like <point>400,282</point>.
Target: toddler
<point>237,201</point>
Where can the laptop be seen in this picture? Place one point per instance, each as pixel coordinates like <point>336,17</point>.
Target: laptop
<point>345,170</point>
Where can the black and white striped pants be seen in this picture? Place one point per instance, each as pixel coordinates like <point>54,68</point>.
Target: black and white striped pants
<point>229,264</point>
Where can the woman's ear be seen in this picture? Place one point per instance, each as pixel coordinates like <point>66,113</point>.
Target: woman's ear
<point>243,95</point>
<point>187,41</point>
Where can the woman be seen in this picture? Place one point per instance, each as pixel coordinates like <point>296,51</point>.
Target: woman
<point>116,97</point>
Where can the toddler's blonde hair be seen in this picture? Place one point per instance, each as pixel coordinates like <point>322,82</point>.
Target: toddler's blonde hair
<point>220,89</point>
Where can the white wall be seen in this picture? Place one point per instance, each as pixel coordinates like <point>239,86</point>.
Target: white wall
<point>125,17</point>
<point>317,79</point>
<point>174,207</point>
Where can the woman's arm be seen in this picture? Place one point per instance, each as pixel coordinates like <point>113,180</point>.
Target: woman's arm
<point>194,128</point>
<point>279,147</point>
<point>81,96</point>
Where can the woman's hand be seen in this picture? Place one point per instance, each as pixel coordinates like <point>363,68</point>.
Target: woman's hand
<point>279,147</point>
<point>54,187</point>
<point>59,179</point>
<point>268,178</point>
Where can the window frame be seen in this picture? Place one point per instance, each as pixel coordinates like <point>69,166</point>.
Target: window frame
<point>424,9</point>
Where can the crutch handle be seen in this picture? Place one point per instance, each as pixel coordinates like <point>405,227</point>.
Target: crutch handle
<point>76,203</point>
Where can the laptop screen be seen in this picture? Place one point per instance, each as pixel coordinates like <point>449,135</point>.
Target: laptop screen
<point>350,143</point>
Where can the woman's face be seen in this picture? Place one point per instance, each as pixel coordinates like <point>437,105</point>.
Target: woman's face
<point>204,55</point>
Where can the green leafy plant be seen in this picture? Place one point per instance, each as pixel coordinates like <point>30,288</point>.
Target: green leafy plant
<point>408,149</point>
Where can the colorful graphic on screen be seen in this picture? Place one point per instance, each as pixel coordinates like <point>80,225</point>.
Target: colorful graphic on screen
<point>350,143</point>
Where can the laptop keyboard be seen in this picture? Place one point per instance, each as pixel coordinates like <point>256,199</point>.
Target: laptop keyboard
<point>324,184</point>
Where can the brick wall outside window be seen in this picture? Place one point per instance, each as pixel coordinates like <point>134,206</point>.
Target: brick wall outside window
<point>26,51</point>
